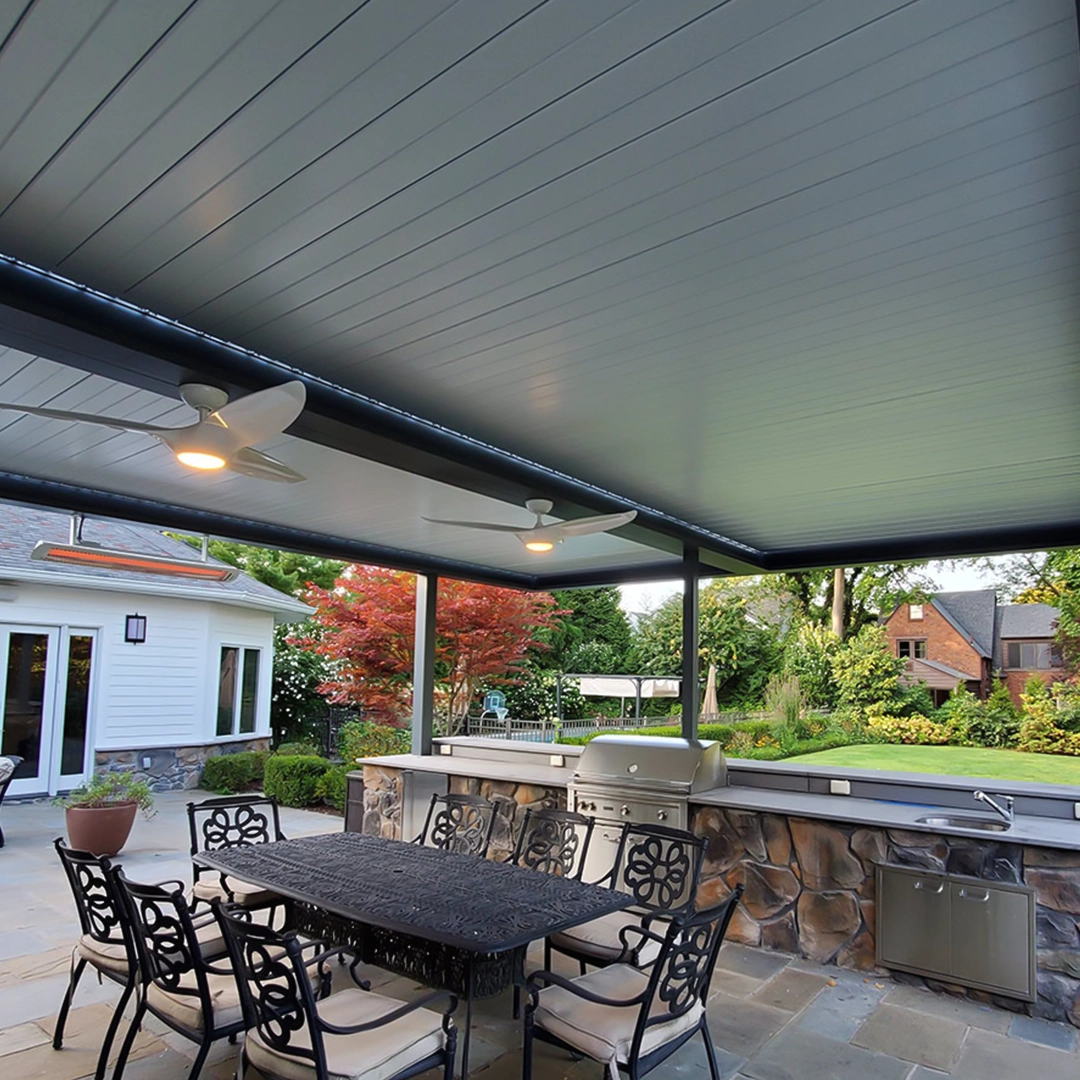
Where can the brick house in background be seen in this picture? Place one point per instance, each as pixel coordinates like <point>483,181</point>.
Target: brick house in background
<point>969,638</point>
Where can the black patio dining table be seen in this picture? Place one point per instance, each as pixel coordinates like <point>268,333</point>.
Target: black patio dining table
<point>450,921</point>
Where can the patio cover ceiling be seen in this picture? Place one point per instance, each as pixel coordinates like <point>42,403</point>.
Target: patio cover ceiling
<point>798,280</point>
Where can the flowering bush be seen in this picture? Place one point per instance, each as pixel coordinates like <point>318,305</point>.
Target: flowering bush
<point>1039,730</point>
<point>914,730</point>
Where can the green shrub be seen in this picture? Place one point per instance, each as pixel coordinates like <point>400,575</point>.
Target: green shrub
<point>298,749</point>
<point>363,738</point>
<point>722,733</point>
<point>333,785</point>
<point>228,774</point>
<point>911,730</point>
<point>293,779</point>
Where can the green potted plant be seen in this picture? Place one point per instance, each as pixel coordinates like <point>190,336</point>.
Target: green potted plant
<point>100,814</point>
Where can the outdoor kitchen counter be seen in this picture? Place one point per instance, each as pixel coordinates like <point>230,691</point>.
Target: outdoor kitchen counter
<point>1026,829</point>
<point>515,772</point>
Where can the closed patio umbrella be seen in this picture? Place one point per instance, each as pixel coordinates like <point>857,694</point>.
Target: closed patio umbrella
<point>709,708</point>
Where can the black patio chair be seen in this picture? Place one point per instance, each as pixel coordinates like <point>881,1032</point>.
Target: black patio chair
<point>352,1034</point>
<point>632,1019</point>
<point>461,823</point>
<point>178,982</point>
<point>660,868</point>
<point>228,822</point>
<point>8,767</point>
<point>553,842</point>
<point>106,942</point>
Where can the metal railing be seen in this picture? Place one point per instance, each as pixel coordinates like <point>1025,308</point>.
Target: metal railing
<point>490,727</point>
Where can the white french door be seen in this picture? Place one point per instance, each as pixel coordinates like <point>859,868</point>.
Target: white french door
<point>45,688</point>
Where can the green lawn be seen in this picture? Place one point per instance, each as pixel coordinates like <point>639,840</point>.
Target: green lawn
<point>955,760</point>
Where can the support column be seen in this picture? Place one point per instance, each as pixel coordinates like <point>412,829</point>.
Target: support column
<point>423,709</point>
<point>690,690</point>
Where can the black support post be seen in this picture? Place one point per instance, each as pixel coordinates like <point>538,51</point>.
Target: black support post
<point>423,710</point>
<point>689,689</point>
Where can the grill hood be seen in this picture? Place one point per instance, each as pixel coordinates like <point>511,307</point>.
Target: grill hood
<point>651,761</point>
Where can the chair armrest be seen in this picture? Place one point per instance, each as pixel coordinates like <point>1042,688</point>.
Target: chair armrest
<point>397,1014</point>
<point>549,978</point>
<point>633,950</point>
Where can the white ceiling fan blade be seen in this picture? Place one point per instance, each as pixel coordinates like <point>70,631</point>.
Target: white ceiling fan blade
<point>597,524</point>
<point>477,525</point>
<point>87,418</point>
<point>262,415</point>
<point>262,466</point>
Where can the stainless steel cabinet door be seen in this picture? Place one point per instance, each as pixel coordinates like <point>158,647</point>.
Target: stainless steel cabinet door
<point>913,920</point>
<point>992,937</point>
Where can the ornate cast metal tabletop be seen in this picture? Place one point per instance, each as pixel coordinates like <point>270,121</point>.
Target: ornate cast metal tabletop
<point>451,921</point>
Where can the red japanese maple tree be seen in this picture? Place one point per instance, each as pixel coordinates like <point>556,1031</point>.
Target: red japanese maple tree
<point>366,625</point>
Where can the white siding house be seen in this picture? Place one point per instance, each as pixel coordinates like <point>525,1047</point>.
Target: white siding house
<point>75,695</point>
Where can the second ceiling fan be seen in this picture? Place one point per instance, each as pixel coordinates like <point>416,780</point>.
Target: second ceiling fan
<point>541,538</point>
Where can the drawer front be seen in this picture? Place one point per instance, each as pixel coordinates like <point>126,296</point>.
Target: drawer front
<point>913,920</point>
<point>993,937</point>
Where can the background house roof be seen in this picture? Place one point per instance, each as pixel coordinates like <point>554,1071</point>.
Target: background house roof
<point>936,675</point>
<point>786,277</point>
<point>1028,621</point>
<point>21,527</point>
<point>972,613</point>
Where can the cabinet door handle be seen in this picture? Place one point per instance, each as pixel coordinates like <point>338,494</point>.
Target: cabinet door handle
<point>965,895</point>
<point>922,885</point>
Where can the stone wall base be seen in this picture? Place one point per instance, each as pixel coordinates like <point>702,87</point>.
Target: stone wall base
<point>809,890</point>
<point>171,768</point>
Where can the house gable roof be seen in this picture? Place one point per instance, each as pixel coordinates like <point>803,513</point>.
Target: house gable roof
<point>21,527</point>
<point>1028,621</point>
<point>972,614</point>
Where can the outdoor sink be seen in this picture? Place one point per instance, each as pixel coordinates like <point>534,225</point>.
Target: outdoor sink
<point>951,821</point>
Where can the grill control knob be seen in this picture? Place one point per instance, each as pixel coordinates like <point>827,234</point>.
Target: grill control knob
<point>625,811</point>
<point>661,815</point>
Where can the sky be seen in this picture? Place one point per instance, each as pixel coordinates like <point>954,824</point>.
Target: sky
<point>949,574</point>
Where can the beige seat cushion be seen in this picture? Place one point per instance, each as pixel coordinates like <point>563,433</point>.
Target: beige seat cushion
<point>186,1009</point>
<point>107,955</point>
<point>600,938</point>
<point>373,1055</point>
<point>111,956</point>
<point>208,887</point>
<point>605,1032</point>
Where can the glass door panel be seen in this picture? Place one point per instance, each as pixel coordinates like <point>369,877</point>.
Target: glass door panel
<point>74,714</point>
<point>26,719</point>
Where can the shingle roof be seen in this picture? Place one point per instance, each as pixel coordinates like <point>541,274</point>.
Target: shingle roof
<point>1029,620</point>
<point>21,527</point>
<point>972,613</point>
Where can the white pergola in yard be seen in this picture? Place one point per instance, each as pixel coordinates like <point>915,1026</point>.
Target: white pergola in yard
<point>797,281</point>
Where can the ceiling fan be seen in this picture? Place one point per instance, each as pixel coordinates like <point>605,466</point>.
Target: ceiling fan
<point>224,435</point>
<point>540,537</point>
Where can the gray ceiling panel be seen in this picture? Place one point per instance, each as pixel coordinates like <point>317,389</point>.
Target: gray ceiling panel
<point>800,273</point>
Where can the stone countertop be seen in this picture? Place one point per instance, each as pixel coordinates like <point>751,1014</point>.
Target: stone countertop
<point>482,768</point>
<point>1026,828</point>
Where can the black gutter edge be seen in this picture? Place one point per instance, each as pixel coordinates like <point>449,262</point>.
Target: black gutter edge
<point>970,544</point>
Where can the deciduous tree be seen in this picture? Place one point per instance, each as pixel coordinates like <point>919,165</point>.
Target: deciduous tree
<point>483,634</point>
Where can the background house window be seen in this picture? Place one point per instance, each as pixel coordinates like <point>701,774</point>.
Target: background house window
<point>915,611</point>
<point>1029,655</point>
<point>238,688</point>
<point>912,648</point>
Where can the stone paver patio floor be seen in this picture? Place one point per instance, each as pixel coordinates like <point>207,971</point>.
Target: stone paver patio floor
<point>772,1017</point>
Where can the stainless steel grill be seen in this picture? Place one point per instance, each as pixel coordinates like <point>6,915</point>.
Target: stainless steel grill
<point>642,779</point>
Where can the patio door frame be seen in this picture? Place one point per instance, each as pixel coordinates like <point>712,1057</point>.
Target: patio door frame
<point>49,779</point>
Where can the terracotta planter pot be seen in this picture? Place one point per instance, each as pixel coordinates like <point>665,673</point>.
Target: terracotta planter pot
<point>101,830</point>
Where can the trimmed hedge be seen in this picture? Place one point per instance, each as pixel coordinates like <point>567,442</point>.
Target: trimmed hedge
<point>333,785</point>
<point>293,779</point>
<point>230,774</point>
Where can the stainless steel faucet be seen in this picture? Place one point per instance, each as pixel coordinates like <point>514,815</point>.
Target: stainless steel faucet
<point>1006,811</point>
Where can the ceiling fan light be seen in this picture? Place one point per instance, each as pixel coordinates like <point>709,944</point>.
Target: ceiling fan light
<point>198,459</point>
<point>538,546</point>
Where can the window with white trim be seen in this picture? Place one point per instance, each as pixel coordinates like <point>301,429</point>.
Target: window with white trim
<point>912,648</point>
<point>238,690</point>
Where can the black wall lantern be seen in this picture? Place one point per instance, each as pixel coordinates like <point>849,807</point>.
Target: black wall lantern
<point>135,629</point>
